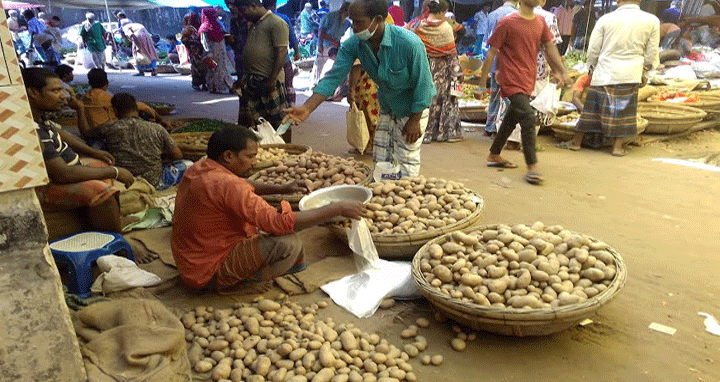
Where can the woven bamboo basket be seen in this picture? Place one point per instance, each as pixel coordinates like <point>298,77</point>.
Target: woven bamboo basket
<point>515,322</point>
<point>290,149</point>
<point>164,110</point>
<point>294,199</point>
<point>405,246</point>
<point>669,118</point>
<point>192,151</point>
<point>566,132</point>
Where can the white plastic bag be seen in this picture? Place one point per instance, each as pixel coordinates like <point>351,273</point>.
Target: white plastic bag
<point>386,171</point>
<point>358,135</point>
<point>87,59</point>
<point>120,274</point>
<point>547,103</point>
<point>267,133</point>
<point>142,60</point>
<point>361,293</point>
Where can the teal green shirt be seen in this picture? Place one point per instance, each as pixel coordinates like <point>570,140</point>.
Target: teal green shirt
<point>401,71</point>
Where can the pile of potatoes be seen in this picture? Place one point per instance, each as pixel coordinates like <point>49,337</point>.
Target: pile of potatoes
<point>316,170</point>
<point>417,204</point>
<point>271,154</point>
<point>519,267</point>
<point>283,341</point>
<point>197,141</point>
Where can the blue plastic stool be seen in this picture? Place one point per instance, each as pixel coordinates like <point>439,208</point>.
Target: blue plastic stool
<point>82,250</point>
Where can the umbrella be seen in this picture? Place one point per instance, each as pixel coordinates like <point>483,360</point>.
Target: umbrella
<point>18,5</point>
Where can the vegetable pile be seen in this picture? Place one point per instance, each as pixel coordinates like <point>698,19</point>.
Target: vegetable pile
<point>272,341</point>
<point>202,125</point>
<point>271,154</point>
<point>316,170</point>
<point>519,267</point>
<point>675,96</point>
<point>573,58</point>
<point>417,204</point>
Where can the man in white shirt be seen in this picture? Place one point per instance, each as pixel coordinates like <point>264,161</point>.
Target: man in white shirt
<point>623,47</point>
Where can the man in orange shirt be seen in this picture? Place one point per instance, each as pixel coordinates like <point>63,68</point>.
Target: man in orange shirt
<point>218,215</point>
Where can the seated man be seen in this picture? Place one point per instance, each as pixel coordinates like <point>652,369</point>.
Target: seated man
<point>218,215</point>
<point>99,108</point>
<point>74,182</point>
<point>140,146</point>
<point>65,72</point>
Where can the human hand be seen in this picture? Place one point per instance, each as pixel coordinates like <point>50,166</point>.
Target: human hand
<point>104,156</point>
<point>296,56</point>
<point>351,97</point>
<point>350,209</point>
<point>296,114</point>
<point>75,103</point>
<point>292,188</point>
<point>412,130</point>
<point>125,177</point>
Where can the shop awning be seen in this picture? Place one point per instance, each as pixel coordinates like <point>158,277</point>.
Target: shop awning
<point>18,5</point>
<point>121,4</point>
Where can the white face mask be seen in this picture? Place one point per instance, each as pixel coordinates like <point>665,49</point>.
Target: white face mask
<point>366,34</point>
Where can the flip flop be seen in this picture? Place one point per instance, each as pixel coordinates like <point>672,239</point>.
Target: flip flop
<point>619,154</point>
<point>503,164</point>
<point>567,146</point>
<point>533,178</point>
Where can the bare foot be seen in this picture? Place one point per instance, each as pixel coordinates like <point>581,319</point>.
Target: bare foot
<point>619,152</point>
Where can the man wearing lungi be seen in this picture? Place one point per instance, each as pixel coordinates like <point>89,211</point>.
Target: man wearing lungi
<point>216,239</point>
<point>623,47</point>
<point>396,60</point>
<point>75,182</point>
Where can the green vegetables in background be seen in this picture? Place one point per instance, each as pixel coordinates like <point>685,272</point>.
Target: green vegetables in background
<point>201,125</point>
<point>575,57</point>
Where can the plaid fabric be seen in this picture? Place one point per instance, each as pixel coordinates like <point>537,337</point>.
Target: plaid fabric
<point>254,105</point>
<point>90,193</point>
<point>390,144</point>
<point>610,110</point>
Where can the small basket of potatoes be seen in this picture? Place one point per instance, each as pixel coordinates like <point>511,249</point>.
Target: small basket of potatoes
<point>315,170</point>
<point>405,214</point>
<point>518,280</point>
<point>272,155</point>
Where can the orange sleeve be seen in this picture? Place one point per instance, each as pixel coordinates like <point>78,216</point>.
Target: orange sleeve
<point>582,83</point>
<point>255,211</point>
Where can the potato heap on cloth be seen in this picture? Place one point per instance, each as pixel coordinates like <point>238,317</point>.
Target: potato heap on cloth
<point>519,267</point>
<point>316,170</point>
<point>273,341</point>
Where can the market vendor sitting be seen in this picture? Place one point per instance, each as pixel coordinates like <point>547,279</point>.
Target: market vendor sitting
<point>140,146</point>
<point>218,215</point>
<point>75,181</point>
<point>99,107</point>
<point>580,91</point>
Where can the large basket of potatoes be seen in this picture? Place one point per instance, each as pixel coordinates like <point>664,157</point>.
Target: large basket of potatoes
<point>518,280</point>
<point>315,170</point>
<point>405,214</point>
<point>272,155</point>
<point>193,145</point>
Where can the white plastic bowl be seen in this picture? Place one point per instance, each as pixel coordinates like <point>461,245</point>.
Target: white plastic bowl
<point>324,196</point>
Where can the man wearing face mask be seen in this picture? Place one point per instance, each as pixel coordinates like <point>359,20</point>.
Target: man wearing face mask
<point>396,60</point>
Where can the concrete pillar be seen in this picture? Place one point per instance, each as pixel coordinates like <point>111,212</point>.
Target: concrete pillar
<point>37,339</point>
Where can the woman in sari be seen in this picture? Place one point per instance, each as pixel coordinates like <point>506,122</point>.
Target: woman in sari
<point>143,47</point>
<point>437,35</point>
<point>212,37</point>
<point>190,38</point>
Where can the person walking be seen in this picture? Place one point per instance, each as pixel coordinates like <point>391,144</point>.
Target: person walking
<point>396,60</point>
<point>212,36</point>
<point>515,42</point>
<point>190,38</point>
<point>564,13</point>
<point>437,35</point>
<point>510,6</point>
<point>481,23</point>
<point>262,88</point>
<point>623,48</point>
<point>583,24</point>
<point>93,36</point>
<point>143,47</point>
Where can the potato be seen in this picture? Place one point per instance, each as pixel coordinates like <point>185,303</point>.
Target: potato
<point>203,366</point>
<point>458,344</point>
<point>436,360</point>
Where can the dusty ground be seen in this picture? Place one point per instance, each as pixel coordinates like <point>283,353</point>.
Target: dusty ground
<point>662,218</point>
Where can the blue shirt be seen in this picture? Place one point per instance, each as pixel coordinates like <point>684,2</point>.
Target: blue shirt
<point>35,26</point>
<point>481,24</point>
<point>334,26</point>
<point>401,71</point>
<point>492,20</point>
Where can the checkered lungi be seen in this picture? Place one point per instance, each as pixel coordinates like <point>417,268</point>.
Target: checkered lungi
<point>254,104</point>
<point>390,144</point>
<point>610,110</point>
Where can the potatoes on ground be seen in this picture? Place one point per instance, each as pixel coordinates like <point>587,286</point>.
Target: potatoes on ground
<point>519,267</point>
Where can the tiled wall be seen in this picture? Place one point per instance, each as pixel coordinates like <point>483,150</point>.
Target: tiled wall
<point>21,162</point>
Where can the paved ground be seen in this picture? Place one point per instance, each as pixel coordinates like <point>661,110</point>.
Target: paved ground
<point>662,218</point>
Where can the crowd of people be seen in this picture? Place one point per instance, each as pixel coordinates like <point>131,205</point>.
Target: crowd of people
<point>400,74</point>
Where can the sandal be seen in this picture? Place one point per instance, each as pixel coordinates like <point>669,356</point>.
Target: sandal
<point>533,177</point>
<point>502,164</point>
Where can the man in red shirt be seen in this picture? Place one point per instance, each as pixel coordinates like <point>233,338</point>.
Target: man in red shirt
<point>515,41</point>
<point>218,216</point>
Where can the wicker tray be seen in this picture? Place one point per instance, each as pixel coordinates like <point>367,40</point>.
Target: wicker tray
<point>165,69</point>
<point>536,322</point>
<point>669,118</point>
<point>566,131</point>
<point>192,151</point>
<point>404,246</point>
<point>290,149</point>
